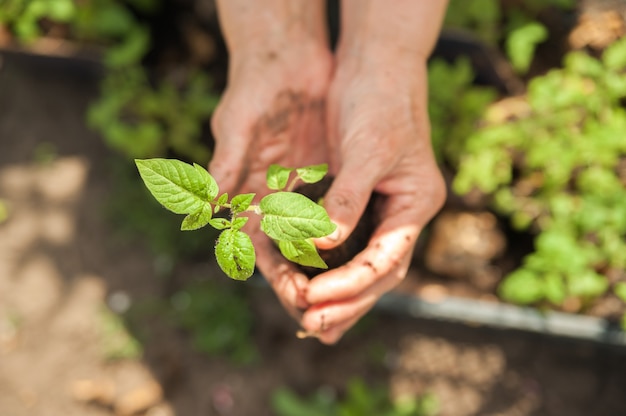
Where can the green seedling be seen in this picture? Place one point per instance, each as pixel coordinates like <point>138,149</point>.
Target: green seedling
<point>556,169</point>
<point>290,219</point>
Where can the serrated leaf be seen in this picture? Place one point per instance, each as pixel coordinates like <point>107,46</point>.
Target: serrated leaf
<point>220,223</point>
<point>240,203</point>
<point>198,219</point>
<point>235,254</point>
<point>178,186</point>
<point>277,177</point>
<point>239,222</point>
<point>313,173</point>
<point>302,252</point>
<point>212,188</point>
<point>291,216</point>
<point>222,199</point>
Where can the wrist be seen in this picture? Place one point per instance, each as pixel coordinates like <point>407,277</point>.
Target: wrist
<point>398,32</point>
<point>271,25</point>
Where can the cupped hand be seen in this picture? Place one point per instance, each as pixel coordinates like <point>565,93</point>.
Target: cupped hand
<point>379,141</point>
<point>272,112</point>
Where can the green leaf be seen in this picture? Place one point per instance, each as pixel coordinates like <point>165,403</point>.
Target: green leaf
<point>522,286</point>
<point>212,188</point>
<point>521,44</point>
<point>291,216</point>
<point>178,186</point>
<point>240,203</point>
<point>620,291</point>
<point>588,284</point>
<point>235,254</point>
<point>302,252</point>
<point>239,222</point>
<point>614,57</point>
<point>220,223</point>
<point>313,173</point>
<point>198,219</point>
<point>554,288</point>
<point>277,177</point>
<point>222,199</point>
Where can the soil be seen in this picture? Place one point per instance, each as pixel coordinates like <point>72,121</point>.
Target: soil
<point>61,262</point>
<point>355,243</point>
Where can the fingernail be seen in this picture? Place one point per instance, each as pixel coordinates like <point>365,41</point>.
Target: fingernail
<point>334,236</point>
<point>302,334</point>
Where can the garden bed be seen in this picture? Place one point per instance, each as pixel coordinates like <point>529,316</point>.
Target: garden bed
<point>443,330</point>
<point>468,248</point>
<point>64,261</point>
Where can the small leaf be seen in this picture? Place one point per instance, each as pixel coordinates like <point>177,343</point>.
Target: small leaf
<point>620,291</point>
<point>212,188</point>
<point>302,252</point>
<point>614,56</point>
<point>222,199</point>
<point>220,223</point>
<point>521,44</point>
<point>313,173</point>
<point>554,288</point>
<point>198,219</point>
<point>178,186</point>
<point>291,216</point>
<point>239,222</point>
<point>588,284</point>
<point>235,254</point>
<point>277,177</point>
<point>240,203</point>
<point>522,286</point>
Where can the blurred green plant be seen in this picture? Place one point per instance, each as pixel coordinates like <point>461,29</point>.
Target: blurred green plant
<point>24,16</point>
<point>556,166</point>
<point>218,319</point>
<point>142,120</point>
<point>116,340</point>
<point>138,115</point>
<point>455,106</point>
<point>493,21</point>
<point>359,400</point>
<point>482,17</point>
<point>521,44</point>
<point>4,211</point>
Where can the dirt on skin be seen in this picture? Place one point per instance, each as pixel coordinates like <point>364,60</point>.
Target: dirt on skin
<point>61,262</point>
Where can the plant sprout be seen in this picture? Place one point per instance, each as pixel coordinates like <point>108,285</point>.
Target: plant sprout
<point>290,219</point>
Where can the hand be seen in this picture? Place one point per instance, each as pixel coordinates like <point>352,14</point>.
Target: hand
<point>379,140</point>
<point>272,112</point>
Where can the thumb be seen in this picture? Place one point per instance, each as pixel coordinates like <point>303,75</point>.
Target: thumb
<point>226,165</point>
<point>229,155</point>
<point>345,203</point>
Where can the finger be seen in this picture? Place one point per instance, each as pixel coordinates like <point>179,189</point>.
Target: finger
<point>228,164</point>
<point>346,200</point>
<point>390,244</point>
<point>289,284</point>
<point>330,320</point>
<point>333,335</point>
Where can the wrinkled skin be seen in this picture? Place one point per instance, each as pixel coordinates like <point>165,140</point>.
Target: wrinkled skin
<point>272,112</point>
<point>296,104</point>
